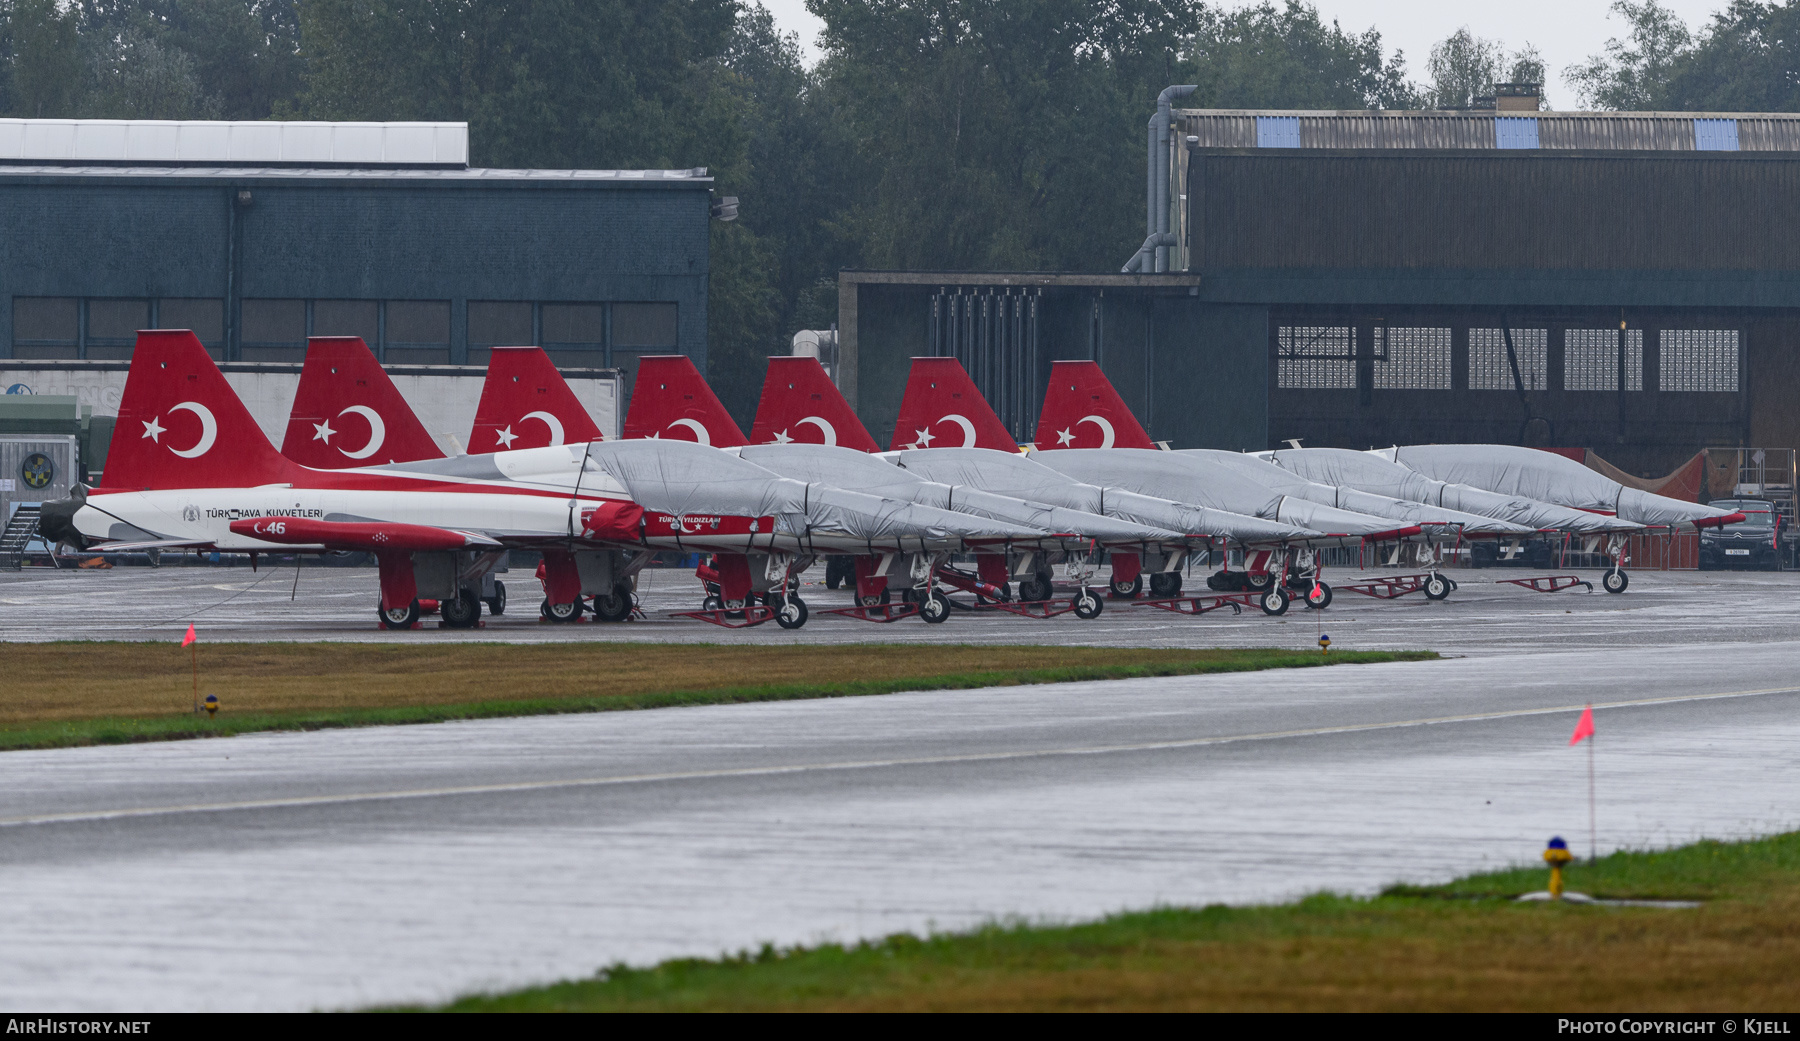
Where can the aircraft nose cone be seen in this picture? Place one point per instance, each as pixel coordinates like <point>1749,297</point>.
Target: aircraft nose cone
<point>56,520</point>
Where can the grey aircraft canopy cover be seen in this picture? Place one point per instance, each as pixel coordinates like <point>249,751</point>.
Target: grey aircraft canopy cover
<point>1200,481</point>
<point>682,478</point>
<point>1546,476</point>
<point>1022,478</point>
<point>859,471</point>
<point>1455,522</point>
<point>1350,469</point>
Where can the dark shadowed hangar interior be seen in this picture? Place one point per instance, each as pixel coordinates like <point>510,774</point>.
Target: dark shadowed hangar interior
<point>1627,282</point>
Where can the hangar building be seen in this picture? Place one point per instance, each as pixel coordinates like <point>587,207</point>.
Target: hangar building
<point>259,234</point>
<point>1628,282</point>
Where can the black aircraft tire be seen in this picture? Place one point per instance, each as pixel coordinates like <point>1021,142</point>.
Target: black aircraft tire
<point>613,607</point>
<point>1126,590</point>
<point>461,611</point>
<point>1437,587</point>
<point>1165,584</point>
<point>1087,605</point>
<point>404,618</point>
<point>791,614</point>
<point>561,613</point>
<point>1256,580</point>
<point>1033,590</point>
<point>1275,601</point>
<point>1616,581</point>
<point>1322,601</point>
<point>935,608</point>
<point>497,602</point>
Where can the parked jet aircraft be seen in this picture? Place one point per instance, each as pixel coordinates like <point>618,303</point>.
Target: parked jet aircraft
<point>672,401</point>
<point>1080,396</point>
<point>525,403</point>
<point>347,411</point>
<point>799,397</point>
<point>200,474</point>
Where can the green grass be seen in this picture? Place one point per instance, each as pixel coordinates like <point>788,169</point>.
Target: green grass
<point>65,695</point>
<point>1461,946</point>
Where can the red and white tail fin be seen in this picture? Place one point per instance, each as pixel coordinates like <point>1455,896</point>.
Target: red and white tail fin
<point>1082,410</point>
<point>181,426</point>
<point>347,412</point>
<point>800,403</point>
<point>942,409</point>
<point>526,403</point>
<point>671,400</point>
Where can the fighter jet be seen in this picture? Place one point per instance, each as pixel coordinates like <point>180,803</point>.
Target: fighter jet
<point>348,413</point>
<point>189,468</point>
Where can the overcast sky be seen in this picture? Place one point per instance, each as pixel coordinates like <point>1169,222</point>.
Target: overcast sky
<point>1565,31</point>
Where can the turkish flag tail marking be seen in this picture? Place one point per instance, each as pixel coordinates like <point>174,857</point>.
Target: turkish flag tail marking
<point>1584,727</point>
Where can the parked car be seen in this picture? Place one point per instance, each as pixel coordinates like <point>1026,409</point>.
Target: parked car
<point>1752,543</point>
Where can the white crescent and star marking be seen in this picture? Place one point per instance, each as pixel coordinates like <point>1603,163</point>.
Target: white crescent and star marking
<point>824,426</point>
<point>1066,436</point>
<point>555,425</point>
<point>377,432</point>
<point>209,430</point>
<point>968,428</point>
<point>694,425</point>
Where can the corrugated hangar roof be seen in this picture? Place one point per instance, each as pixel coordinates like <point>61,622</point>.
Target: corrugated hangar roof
<point>229,142</point>
<point>1560,131</point>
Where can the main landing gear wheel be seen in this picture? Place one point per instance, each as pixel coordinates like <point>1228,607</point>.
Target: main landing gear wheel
<point>934,608</point>
<point>497,602</point>
<point>1275,601</point>
<point>735,608</point>
<point>1165,584</point>
<point>790,613</point>
<point>712,603</point>
<point>1616,581</point>
<point>1318,596</point>
<point>1437,587</point>
<point>1034,589</point>
<point>1127,590</point>
<point>461,611</point>
<point>561,613</point>
<point>875,599</point>
<point>1256,579</point>
<point>399,617</point>
<point>613,607</point>
<point>1087,605</point>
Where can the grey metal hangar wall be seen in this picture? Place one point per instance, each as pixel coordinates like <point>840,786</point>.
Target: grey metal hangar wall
<point>430,263</point>
<point>1635,269</point>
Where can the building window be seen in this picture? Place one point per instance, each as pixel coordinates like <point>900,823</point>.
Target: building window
<point>1699,359</point>
<point>273,330</point>
<point>205,317</point>
<point>1315,357</point>
<point>644,325</point>
<point>575,325</point>
<point>112,327</point>
<point>1591,359</point>
<point>347,318</point>
<point>1489,367</point>
<point>1412,359</point>
<point>46,327</point>
<point>416,332</point>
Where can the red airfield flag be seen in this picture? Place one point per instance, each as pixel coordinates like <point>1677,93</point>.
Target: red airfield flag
<point>1584,727</point>
<point>191,637</point>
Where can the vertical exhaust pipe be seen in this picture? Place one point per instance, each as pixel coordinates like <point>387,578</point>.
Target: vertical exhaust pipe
<point>1153,255</point>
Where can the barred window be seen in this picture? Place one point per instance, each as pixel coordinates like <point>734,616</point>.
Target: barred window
<point>1489,368</point>
<point>1412,359</point>
<point>1591,359</point>
<point>1314,357</point>
<point>1699,359</point>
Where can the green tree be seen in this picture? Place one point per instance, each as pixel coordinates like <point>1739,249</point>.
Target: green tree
<point>48,77</point>
<point>1286,57</point>
<point>1634,72</point>
<point>1746,60</point>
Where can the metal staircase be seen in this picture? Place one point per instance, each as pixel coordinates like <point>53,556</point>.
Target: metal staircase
<point>21,529</point>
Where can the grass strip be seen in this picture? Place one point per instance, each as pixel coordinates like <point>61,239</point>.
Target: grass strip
<point>1465,946</point>
<point>60,695</point>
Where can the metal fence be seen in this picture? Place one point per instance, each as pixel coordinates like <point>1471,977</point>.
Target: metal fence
<point>993,332</point>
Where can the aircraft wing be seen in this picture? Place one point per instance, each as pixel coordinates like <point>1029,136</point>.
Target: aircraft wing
<point>1548,477</point>
<point>364,535</point>
<point>149,544</point>
<point>1361,470</point>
